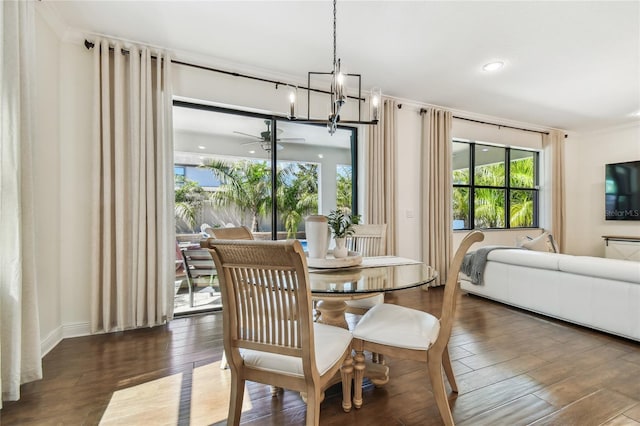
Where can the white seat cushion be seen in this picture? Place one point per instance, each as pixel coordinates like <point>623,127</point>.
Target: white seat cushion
<point>330,344</point>
<point>398,326</point>
<point>367,303</point>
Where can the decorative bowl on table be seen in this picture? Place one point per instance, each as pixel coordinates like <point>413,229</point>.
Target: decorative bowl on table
<point>354,258</point>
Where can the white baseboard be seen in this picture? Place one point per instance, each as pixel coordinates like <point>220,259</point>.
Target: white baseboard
<point>51,341</point>
<point>63,332</point>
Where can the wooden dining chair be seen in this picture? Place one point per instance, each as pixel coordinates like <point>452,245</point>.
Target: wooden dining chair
<point>264,284</point>
<point>230,233</point>
<point>397,331</point>
<point>368,240</point>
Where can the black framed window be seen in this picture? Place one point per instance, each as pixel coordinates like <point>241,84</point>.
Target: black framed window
<point>494,187</point>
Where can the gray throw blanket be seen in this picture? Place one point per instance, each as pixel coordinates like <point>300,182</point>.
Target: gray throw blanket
<point>474,262</point>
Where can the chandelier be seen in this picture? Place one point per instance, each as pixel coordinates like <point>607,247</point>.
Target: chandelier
<point>338,94</point>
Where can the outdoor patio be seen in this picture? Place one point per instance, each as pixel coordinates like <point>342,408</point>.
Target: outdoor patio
<point>205,296</point>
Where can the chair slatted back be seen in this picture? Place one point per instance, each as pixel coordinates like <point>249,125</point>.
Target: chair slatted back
<point>263,285</point>
<point>368,239</point>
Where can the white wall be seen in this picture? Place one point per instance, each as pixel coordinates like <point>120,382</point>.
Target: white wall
<point>586,156</point>
<point>408,201</point>
<point>46,180</point>
<point>75,197</point>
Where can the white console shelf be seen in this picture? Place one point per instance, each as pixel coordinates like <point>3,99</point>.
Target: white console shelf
<point>620,247</point>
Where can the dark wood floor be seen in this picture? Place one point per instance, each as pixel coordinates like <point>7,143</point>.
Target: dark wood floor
<point>513,368</point>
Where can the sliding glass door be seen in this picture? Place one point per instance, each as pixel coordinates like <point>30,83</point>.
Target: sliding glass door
<point>225,175</point>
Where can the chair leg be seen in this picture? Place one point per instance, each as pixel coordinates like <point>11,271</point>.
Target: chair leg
<point>313,407</point>
<point>448,370</point>
<point>316,312</point>
<point>346,372</point>
<point>434,365</point>
<point>358,377</point>
<point>275,390</point>
<point>224,364</point>
<point>235,400</point>
<point>191,290</point>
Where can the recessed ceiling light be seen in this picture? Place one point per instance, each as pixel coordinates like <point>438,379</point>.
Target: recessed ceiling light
<point>493,66</point>
<point>252,152</point>
<point>202,147</point>
<point>320,156</point>
<point>485,149</point>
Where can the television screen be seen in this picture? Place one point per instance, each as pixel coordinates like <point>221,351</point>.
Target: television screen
<point>622,191</point>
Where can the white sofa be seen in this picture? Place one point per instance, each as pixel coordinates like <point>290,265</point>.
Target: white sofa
<point>595,292</point>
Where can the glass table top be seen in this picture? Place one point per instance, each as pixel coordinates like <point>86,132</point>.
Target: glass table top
<point>370,279</point>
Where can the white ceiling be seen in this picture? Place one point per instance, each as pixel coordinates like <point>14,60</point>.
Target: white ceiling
<point>569,65</point>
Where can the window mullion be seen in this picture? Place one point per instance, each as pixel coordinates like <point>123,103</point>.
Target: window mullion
<point>472,185</point>
<point>507,183</point>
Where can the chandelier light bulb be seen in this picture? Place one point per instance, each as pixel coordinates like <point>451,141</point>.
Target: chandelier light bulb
<point>292,103</point>
<point>376,97</point>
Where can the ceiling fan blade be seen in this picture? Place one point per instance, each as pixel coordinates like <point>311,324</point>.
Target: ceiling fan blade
<point>250,143</point>
<point>247,134</point>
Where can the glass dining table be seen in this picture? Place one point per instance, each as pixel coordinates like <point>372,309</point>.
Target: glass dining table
<point>332,287</point>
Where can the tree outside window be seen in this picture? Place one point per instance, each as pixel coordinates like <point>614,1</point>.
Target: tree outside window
<point>344,186</point>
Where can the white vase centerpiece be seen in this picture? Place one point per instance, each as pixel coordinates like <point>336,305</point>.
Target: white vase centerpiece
<point>317,235</point>
<point>341,226</point>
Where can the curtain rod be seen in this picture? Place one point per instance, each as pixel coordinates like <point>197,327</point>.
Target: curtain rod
<point>423,110</point>
<point>501,125</point>
<point>89,45</point>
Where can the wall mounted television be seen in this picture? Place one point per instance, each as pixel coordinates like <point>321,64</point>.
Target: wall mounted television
<point>622,191</point>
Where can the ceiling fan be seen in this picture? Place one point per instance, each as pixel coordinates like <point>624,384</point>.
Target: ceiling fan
<point>265,138</point>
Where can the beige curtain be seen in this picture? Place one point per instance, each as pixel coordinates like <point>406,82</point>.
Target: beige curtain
<point>437,234</point>
<point>20,355</point>
<point>133,244</point>
<point>553,148</point>
<point>380,172</point>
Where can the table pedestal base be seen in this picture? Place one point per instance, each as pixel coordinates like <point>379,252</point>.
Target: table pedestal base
<point>332,312</point>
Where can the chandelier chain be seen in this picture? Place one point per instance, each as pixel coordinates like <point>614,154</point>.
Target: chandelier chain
<point>334,33</point>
